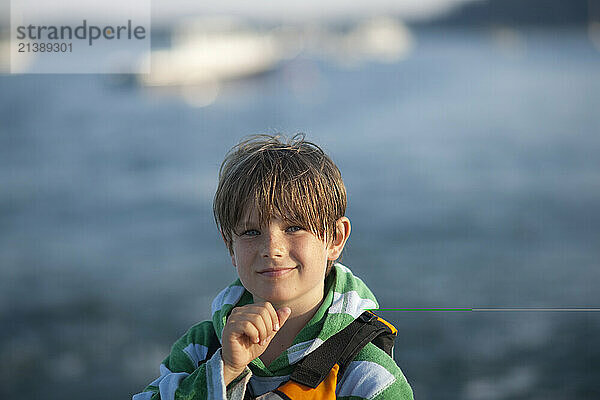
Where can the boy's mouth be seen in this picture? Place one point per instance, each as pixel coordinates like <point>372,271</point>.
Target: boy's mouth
<point>275,272</point>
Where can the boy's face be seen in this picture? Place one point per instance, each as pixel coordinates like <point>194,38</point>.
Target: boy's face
<point>281,263</point>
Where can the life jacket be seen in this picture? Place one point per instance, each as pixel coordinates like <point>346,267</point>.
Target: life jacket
<point>315,377</point>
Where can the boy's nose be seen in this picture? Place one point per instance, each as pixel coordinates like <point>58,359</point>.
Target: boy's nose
<point>273,246</point>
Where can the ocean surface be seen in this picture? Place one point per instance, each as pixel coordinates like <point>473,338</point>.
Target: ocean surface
<point>473,174</point>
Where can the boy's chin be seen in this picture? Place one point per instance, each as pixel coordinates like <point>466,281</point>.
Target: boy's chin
<point>274,297</point>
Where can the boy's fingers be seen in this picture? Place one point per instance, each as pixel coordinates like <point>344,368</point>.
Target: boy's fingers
<point>273,314</point>
<point>283,314</point>
<point>268,317</point>
<point>259,323</point>
<point>250,330</point>
<point>262,309</point>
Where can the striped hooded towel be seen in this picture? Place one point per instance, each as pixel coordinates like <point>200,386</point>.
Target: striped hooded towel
<point>191,372</point>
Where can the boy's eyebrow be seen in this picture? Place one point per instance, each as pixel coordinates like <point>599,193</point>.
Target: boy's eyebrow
<point>246,223</point>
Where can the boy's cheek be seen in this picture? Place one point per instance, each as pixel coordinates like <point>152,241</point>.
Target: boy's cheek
<point>233,251</point>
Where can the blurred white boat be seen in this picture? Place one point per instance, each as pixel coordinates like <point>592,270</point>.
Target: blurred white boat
<point>205,53</point>
<point>209,51</point>
<point>379,39</point>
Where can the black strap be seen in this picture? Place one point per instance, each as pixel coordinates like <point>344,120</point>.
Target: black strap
<point>339,349</point>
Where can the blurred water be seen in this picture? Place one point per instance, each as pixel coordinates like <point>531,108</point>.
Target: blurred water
<point>472,173</point>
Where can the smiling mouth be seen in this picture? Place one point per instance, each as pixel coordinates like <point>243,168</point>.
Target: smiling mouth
<point>273,273</point>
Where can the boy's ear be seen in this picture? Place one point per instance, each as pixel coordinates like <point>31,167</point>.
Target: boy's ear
<point>342,228</point>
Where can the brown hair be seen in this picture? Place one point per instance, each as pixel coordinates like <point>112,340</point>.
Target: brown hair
<point>290,178</point>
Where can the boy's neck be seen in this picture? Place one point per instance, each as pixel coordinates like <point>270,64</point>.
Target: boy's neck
<point>288,332</point>
<point>298,319</point>
<point>302,313</point>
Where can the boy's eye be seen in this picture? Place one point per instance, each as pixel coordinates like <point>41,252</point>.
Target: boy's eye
<point>294,229</point>
<point>250,232</point>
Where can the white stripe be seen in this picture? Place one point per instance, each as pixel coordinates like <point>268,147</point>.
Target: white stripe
<point>196,353</point>
<point>343,268</point>
<point>352,277</point>
<point>355,305</point>
<point>164,371</point>
<point>364,379</point>
<point>214,378</point>
<point>229,295</point>
<point>142,396</point>
<point>300,350</point>
<point>169,384</point>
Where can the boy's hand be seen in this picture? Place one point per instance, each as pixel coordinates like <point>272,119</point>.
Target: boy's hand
<point>247,335</point>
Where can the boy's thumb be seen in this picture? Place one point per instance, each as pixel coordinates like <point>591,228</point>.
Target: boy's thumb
<point>283,313</point>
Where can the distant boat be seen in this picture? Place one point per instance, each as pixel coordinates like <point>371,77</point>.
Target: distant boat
<point>210,51</point>
<point>382,39</point>
<point>379,39</point>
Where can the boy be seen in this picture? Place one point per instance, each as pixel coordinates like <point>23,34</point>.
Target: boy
<point>280,208</point>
